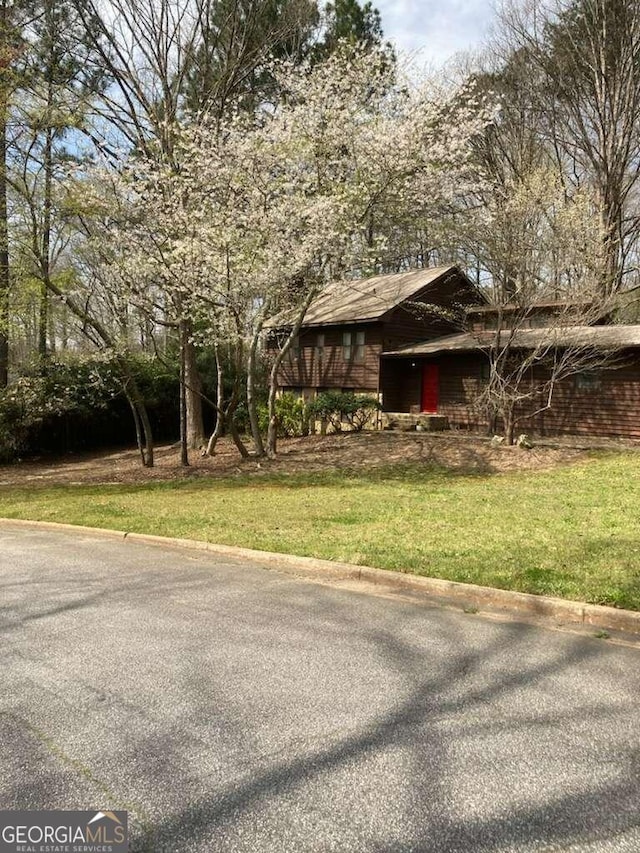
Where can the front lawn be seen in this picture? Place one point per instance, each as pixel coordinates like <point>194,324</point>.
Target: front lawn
<point>572,532</point>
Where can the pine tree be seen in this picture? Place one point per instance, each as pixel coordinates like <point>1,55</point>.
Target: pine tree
<point>58,81</point>
<point>349,21</point>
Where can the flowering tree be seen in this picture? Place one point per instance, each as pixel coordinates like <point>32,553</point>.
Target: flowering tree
<point>265,208</point>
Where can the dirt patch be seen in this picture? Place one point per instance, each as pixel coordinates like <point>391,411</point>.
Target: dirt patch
<point>457,451</point>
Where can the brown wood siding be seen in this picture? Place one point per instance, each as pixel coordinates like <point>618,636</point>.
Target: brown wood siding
<point>460,384</point>
<point>401,386</point>
<point>332,371</point>
<point>613,409</point>
<point>407,327</point>
<point>407,324</point>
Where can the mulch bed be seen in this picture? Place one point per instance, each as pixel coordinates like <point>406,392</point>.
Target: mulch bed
<point>455,450</point>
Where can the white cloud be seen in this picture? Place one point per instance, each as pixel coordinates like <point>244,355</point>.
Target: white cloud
<point>435,28</point>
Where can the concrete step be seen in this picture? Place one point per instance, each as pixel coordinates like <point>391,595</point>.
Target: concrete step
<point>422,422</point>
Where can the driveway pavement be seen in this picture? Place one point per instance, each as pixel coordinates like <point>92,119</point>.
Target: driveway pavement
<point>231,708</point>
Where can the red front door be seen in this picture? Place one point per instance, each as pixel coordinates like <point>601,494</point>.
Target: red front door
<point>430,388</point>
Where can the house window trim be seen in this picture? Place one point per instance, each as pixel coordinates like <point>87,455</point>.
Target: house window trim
<point>354,346</point>
<point>588,381</point>
<point>347,345</point>
<point>294,350</point>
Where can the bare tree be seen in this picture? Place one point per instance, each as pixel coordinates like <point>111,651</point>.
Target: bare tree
<point>585,57</point>
<point>531,349</point>
<point>542,259</point>
<point>509,150</point>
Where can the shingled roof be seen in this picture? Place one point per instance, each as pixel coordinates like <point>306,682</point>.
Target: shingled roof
<point>370,299</point>
<point>602,337</point>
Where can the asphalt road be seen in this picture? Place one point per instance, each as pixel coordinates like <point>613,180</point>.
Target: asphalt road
<point>232,708</point>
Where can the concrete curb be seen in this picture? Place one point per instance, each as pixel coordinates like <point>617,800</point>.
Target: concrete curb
<point>466,596</point>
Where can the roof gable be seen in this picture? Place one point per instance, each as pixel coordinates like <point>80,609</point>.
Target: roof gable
<point>370,299</point>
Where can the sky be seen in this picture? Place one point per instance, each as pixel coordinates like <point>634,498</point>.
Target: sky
<point>436,28</point>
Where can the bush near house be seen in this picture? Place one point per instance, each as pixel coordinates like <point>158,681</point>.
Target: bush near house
<point>292,416</point>
<point>337,408</point>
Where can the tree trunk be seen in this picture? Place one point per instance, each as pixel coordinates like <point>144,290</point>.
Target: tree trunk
<point>220,418</point>
<point>235,435</point>
<point>43,323</point>
<point>193,391</point>
<point>45,249</point>
<point>509,427</point>
<point>140,414</point>
<point>251,395</point>
<point>136,421</point>
<point>215,435</point>
<point>230,421</point>
<point>148,435</point>
<point>4,221</point>
<point>184,443</point>
<point>272,432</point>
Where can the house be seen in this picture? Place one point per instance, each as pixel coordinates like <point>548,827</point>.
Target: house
<point>596,402</point>
<point>351,324</point>
<point>398,337</point>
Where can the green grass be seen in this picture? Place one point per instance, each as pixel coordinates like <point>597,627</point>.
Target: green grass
<point>572,532</point>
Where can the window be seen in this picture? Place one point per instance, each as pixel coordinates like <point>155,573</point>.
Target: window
<point>588,381</point>
<point>353,346</point>
<point>346,346</point>
<point>294,349</point>
<point>320,347</point>
<point>540,321</point>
